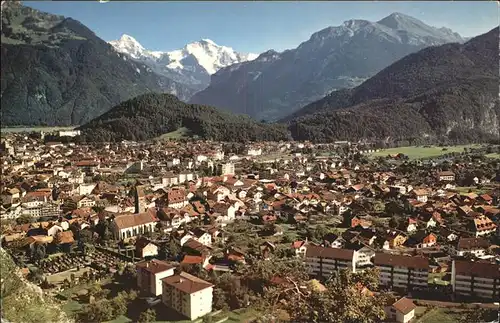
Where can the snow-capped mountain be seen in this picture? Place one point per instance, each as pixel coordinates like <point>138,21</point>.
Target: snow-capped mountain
<point>192,65</point>
<point>276,84</point>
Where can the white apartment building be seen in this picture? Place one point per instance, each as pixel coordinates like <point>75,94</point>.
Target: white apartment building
<point>363,256</point>
<point>86,189</point>
<point>150,275</point>
<point>254,152</point>
<point>324,261</point>
<point>405,272</point>
<point>227,169</point>
<point>42,210</point>
<point>173,162</point>
<point>188,295</point>
<point>69,133</point>
<point>476,279</point>
<point>185,177</point>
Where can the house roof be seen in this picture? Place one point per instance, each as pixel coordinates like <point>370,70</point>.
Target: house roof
<point>477,269</point>
<point>386,259</point>
<point>297,244</point>
<point>483,223</point>
<point>186,283</point>
<point>129,220</point>
<point>154,266</point>
<point>142,242</point>
<point>331,253</point>
<point>472,243</point>
<point>188,259</point>
<point>65,237</point>
<point>404,305</point>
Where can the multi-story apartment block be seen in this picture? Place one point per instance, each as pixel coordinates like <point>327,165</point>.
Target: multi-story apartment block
<point>150,275</point>
<point>227,169</point>
<point>448,176</point>
<point>403,272</point>
<point>47,209</point>
<point>475,278</point>
<point>188,295</point>
<point>323,261</point>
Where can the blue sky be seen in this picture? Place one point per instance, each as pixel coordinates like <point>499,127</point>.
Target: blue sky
<point>256,26</point>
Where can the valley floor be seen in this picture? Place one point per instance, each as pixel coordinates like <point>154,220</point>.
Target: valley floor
<point>416,152</point>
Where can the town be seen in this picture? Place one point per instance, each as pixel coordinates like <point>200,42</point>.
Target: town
<point>214,231</point>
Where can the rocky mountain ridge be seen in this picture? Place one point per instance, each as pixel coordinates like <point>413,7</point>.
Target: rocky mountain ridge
<point>55,71</point>
<point>448,91</point>
<point>277,84</point>
<point>191,65</point>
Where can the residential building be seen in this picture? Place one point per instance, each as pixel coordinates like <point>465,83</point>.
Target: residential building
<point>404,272</point>
<point>48,209</point>
<point>323,261</point>
<point>11,197</point>
<point>150,274</point>
<point>300,248</point>
<point>69,133</point>
<point>481,225</point>
<point>202,236</point>
<point>448,176</point>
<point>227,169</point>
<point>188,295</point>
<point>474,246</point>
<point>145,248</point>
<point>420,194</point>
<point>175,198</point>
<point>400,311</point>
<point>475,278</point>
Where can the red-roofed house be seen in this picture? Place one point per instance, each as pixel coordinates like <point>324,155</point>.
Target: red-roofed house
<point>300,248</point>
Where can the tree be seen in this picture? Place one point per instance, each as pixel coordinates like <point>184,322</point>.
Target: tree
<point>342,302</point>
<point>172,249</point>
<point>479,315</point>
<point>39,252</point>
<point>119,304</point>
<point>318,233</point>
<point>24,219</point>
<point>100,311</point>
<point>147,316</point>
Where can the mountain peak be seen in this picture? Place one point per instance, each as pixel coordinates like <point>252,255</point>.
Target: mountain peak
<point>128,44</point>
<point>208,41</point>
<point>397,20</point>
<point>127,41</point>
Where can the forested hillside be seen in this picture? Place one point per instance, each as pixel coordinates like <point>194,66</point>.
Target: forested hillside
<point>446,91</point>
<point>56,71</point>
<point>151,115</point>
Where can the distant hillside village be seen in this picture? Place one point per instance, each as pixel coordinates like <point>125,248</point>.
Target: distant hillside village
<point>251,231</point>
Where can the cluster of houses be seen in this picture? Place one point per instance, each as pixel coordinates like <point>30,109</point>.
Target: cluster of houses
<point>410,230</point>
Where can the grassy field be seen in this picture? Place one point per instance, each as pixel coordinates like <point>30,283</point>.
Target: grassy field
<point>35,129</point>
<point>415,152</point>
<point>236,316</point>
<point>437,278</point>
<point>440,315</point>
<point>178,134</point>
<point>497,156</point>
<point>465,190</point>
